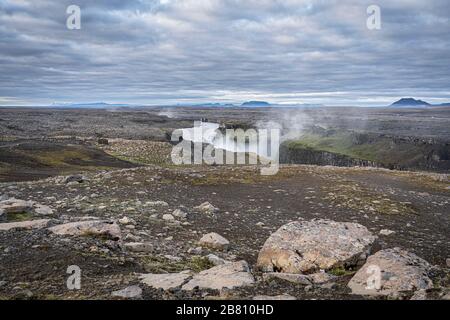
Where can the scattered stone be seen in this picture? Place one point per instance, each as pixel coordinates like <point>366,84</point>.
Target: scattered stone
<point>75,178</point>
<point>401,272</point>
<point>447,261</point>
<point>96,228</point>
<point>32,224</point>
<point>196,251</point>
<point>230,276</point>
<point>168,217</point>
<point>215,260</point>
<point>125,221</point>
<point>283,297</point>
<point>173,258</point>
<point>166,281</point>
<point>215,241</point>
<point>386,232</point>
<point>305,246</point>
<point>132,292</point>
<point>419,295</point>
<point>207,208</point>
<point>103,141</point>
<point>308,288</point>
<point>25,294</point>
<point>132,238</point>
<point>138,247</point>
<point>178,213</point>
<point>156,204</point>
<point>43,210</point>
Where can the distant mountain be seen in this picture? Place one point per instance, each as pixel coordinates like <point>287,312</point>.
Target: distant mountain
<point>255,104</point>
<point>409,102</point>
<point>93,105</point>
<point>415,103</point>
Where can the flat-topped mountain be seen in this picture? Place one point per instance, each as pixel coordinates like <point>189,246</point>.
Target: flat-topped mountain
<point>255,104</point>
<point>410,102</point>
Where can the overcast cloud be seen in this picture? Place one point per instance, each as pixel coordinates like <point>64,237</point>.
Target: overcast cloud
<point>176,51</point>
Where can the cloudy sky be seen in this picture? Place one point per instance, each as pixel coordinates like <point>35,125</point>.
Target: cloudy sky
<point>192,51</point>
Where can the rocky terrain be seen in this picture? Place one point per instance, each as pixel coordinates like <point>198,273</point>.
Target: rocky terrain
<point>209,232</point>
<point>138,227</point>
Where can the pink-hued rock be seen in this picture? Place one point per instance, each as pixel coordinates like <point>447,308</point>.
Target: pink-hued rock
<point>95,228</point>
<point>32,224</point>
<point>309,246</point>
<point>398,271</point>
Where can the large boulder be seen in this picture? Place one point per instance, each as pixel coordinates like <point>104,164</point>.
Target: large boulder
<point>392,272</point>
<point>96,228</point>
<point>230,276</point>
<point>215,241</point>
<point>309,246</point>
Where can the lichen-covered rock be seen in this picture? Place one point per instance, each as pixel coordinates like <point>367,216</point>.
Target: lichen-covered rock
<point>96,228</point>
<point>392,272</point>
<point>13,205</point>
<point>308,246</point>
<point>32,224</point>
<point>230,276</point>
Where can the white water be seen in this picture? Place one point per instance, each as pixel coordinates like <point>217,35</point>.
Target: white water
<point>208,132</point>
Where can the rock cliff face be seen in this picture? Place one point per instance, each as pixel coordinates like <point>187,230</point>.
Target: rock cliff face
<point>392,152</point>
<point>318,157</point>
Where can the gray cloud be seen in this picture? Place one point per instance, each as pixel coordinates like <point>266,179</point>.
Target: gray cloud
<point>153,52</point>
